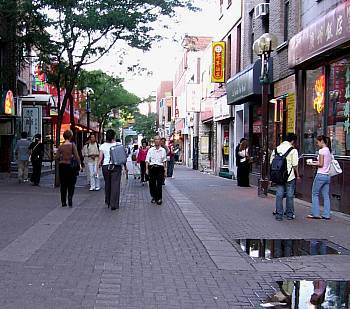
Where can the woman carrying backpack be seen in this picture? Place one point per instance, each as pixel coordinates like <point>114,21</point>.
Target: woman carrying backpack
<point>322,179</point>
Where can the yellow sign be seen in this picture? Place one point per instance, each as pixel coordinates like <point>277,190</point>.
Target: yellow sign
<point>9,104</point>
<point>218,62</point>
<point>291,113</point>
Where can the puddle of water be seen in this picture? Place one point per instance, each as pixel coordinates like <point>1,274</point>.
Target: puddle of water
<point>279,248</point>
<point>304,294</point>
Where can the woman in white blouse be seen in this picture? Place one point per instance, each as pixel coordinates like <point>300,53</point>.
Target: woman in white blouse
<point>243,162</point>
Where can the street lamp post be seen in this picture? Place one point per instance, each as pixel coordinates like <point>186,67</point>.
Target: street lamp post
<point>89,92</point>
<point>263,48</point>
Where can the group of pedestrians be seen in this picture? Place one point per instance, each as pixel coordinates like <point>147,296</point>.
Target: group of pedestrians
<point>284,173</point>
<point>29,152</point>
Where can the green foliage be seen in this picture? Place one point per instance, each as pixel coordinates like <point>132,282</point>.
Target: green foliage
<point>109,94</point>
<point>146,125</point>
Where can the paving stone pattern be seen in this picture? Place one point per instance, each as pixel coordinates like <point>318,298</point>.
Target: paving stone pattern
<point>178,255</point>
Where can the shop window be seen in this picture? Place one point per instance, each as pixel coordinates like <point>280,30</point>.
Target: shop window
<point>338,117</point>
<point>256,136</point>
<point>314,108</point>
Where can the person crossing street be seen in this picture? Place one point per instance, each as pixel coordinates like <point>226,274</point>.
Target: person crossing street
<point>156,170</point>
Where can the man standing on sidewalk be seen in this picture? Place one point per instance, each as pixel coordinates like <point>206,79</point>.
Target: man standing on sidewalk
<point>156,169</point>
<point>287,150</point>
<point>22,152</point>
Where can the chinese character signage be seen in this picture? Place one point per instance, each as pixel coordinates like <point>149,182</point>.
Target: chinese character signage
<point>291,113</point>
<point>329,31</point>
<point>218,62</point>
<point>31,120</point>
<point>320,86</point>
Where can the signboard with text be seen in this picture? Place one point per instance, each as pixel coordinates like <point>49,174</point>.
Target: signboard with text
<point>329,31</point>
<point>218,62</point>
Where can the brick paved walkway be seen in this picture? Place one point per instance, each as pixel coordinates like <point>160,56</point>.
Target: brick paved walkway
<point>178,255</point>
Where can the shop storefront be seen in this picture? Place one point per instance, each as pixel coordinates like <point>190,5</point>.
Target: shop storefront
<point>320,55</point>
<point>224,137</point>
<point>206,137</point>
<point>244,92</point>
<point>37,119</point>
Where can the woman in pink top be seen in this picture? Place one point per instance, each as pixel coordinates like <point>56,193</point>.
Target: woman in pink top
<point>141,158</point>
<point>322,179</point>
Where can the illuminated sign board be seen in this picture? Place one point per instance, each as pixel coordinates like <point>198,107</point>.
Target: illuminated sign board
<point>218,62</point>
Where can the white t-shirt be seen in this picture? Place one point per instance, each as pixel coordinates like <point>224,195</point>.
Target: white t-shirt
<point>105,148</point>
<point>156,156</point>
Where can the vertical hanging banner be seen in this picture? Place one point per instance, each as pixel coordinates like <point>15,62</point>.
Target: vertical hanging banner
<point>218,62</point>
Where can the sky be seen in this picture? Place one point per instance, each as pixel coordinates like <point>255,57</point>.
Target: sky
<point>162,59</point>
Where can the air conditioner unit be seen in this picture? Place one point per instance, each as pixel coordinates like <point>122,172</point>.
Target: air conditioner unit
<point>261,10</point>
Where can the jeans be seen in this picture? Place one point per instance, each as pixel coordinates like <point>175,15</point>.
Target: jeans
<point>289,190</point>
<point>321,184</point>
<point>22,170</point>
<point>93,172</point>
<point>170,167</point>
<point>144,177</point>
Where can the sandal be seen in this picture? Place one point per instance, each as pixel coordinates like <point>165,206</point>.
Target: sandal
<point>312,217</point>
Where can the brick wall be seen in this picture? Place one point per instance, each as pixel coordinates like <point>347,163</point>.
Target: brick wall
<point>276,27</point>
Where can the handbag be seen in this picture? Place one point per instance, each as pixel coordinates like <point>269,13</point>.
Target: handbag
<point>74,164</point>
<point>335,168</point>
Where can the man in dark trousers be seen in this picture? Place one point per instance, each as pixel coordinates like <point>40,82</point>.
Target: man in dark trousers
<point>36,157</point>
<point>156,169</point>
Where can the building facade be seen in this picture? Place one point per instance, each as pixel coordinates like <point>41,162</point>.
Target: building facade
<point>320,55</point>
<point>244,88</point>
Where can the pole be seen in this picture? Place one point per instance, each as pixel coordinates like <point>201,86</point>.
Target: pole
<point>264,181</point>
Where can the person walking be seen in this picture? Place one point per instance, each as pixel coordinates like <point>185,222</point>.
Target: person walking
<point>322,179</point>
<point>166,148</point>
<point>243,163</point>
<point>135,168</point>
<point>69,164</point>
<point>36,149</point>
<point>156,170</point>
<point>92,154</point>
<point>111,173</point>
<point>22,153</point>
<point>86,160</point>
<point>287,151</point>
<point>171,160</point>
<point>141,159</point>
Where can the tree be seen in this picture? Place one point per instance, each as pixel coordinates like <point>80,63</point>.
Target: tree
<point>146,125</point>
<point>82,32</point>
<point>109,94</point>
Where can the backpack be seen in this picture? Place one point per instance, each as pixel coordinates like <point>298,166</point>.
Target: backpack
<point>117,155</point>
<point>278,170</point>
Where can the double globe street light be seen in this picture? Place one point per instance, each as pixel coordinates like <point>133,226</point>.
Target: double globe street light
<point>263,47</point>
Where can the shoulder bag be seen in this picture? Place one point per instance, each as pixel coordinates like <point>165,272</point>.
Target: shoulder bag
<point>335,168</point>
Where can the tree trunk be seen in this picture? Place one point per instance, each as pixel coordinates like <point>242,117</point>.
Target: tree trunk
<point>71,114</point>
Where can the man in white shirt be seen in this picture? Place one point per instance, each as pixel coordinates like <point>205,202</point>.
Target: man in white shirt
<point>289,187</point>
<point>155,168</point>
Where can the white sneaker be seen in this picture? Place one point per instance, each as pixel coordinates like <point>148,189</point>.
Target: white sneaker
<point>97,189</point>
<point>91,189</point>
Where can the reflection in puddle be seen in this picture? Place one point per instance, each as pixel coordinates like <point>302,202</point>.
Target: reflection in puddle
<point>317,294</point>
<point>278,248</point>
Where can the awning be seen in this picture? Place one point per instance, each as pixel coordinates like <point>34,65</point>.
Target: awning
<point>246,84</point>
<point>330,34</point>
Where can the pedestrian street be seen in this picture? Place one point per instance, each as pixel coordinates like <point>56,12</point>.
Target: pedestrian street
<point>198,249</point>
